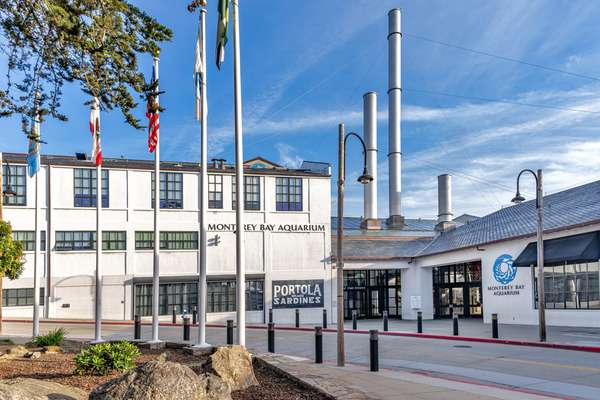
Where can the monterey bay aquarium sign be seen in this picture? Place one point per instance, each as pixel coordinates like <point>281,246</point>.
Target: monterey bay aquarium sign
<point>269,227</point>
<point>298,294</point>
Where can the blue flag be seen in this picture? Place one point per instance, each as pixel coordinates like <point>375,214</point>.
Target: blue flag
<point>33,155</point>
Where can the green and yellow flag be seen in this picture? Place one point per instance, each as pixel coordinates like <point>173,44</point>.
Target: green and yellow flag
<point>222,31</point>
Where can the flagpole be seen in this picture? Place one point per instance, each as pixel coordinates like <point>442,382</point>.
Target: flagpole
<point>37,256</point>
<point>98,314</point>
<point>203,196</point>
<point>155,272</point>
<point>239,175</point>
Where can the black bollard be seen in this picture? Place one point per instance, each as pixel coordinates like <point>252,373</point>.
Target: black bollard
<point>455,323</point>
<point>324,318</point>
<point>385,321</point>
<point>297,318</point>
<point>354,319</point>
<point>174,314</point>
<point>195,315</point>
<point>271,337</point>
<point>229,331</point>
<point>186,329</point>
<point>374,349</point>
<point>495,326</point>
<point>137,327</point>
<point>419,322</point>
<point>318,345</point>
<point>270,315</point>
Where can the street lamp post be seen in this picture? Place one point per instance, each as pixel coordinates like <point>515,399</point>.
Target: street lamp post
<point>540,246</point>
<point>364,179</point>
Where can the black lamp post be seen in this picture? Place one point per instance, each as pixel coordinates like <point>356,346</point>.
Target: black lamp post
<point>364,179</point>
<point>9,192</point>
<point>540,246</point>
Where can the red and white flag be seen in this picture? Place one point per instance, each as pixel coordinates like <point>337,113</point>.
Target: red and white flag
<point>95,129</point>
<point>153,125</point>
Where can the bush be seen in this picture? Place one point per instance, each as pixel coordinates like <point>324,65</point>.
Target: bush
<point>102,359</point>
<point>52,338</point>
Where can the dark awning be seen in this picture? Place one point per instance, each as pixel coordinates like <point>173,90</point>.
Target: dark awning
<point>577,248</point>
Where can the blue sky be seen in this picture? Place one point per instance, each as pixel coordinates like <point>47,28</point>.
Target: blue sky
<point>306,66</point>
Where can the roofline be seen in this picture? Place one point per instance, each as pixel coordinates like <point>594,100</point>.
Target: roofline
<point>564,228</point>
<point>334,258</point>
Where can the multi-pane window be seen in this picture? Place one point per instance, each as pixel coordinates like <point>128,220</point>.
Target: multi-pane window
<point>171,190</point>
<point>288,194</point>
<point>571,286</point>
<point>251,192</point>
<point>85,187</point>
<point>168,240</point>
<point>67,241</point>
<point>215,191</point>
<point>182,296</point>
<point>20,297</point>
<point>28,239</point>
<point>17,182</point>
<point>221,296</point>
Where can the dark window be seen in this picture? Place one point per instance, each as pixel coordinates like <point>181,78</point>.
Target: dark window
<point>221,296</point>
<point>68,241</point>
<point>17,182</point>
<point>215,191</point>
<point>571,286</point>
<point>20,297</point>
<point>171,190</point>
<point>85,187</point>
<point>28,239</point>
<point>288,194</point>
<point>168,240</point>
<point>251,192</point>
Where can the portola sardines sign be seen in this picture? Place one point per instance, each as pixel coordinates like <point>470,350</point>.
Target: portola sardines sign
<point>298,294</point>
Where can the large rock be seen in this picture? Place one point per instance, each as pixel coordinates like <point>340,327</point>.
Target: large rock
<point>234,365</point>
<point>162,380</point>
<point>28,389</point>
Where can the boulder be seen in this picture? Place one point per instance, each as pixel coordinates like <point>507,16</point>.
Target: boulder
<point>166,356</point>
<point>33,354</point>
<point>52,349</point>
<point>233,364</point>
<point>27,389</point>
<point>17,351</point>
<point>162,380</point>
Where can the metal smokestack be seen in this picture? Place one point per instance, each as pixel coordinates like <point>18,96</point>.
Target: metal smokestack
<point>444,202</point>
<point>394,156</point>
<point>370,134</point>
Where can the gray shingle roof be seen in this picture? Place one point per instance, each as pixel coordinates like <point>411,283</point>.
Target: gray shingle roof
<point>580,205</point>
<point>379,248</point>
<point>410,224</point>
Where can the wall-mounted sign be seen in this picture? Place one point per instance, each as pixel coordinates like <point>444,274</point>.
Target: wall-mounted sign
<point>268,227</point>
<point>298,294</point>
<point>504,273</point>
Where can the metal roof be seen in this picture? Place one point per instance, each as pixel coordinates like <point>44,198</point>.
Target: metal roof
<point>379,249</point>
<point>410,224</point>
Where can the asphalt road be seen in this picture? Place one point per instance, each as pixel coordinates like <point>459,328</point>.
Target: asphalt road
<point>566,373</point>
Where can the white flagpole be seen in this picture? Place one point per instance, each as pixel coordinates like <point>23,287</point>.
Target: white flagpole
<point>37,255</point>
<point>98,313</point>
<point>239,175</point>
<point>203,197</point>
<point>155,272</point>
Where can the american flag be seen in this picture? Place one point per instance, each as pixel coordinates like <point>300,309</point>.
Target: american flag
<point>95,129</point>
<point>153,126</point>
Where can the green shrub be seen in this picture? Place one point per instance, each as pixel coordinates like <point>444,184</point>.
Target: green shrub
<point>102,359</point>
<point>52,338</point>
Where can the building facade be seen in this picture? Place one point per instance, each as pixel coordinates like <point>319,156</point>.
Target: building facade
<point>287,238</point>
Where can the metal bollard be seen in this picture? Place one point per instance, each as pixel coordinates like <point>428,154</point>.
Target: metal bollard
<point>195,315</point>
<point>137,327</point>
<point>318,345</point>
<point>354,319</point>
<point>186,328</point>
<point>495,326</point>
<point>419,322</point>
<point>324,318</point>
<point>385,321</point>
<point>297,318</point>
<point>455,323</point>
<point>271,337</point>
<point>174,314</point>
<point>270,315</point>
<point>229,331</point>
<point>374,349</point>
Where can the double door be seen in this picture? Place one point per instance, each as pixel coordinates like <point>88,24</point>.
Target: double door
<point>463,299</point>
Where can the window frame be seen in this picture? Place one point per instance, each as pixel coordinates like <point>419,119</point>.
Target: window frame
<point>172,192</point>
<point>18,183</point>
<point>559,278</point>
<point>68,240</point>
<point>87,183</point>
<point>287,188</point>
<point>215,190</point>
<point>27,238</point>
<point>144,240</point>
<point>26,295</point>
<point>251,193</point>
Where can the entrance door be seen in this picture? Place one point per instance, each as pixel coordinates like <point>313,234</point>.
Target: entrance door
<point>475,301</point>
<point>458,286</point>
<point>376,302</point>
<point>355,300</point>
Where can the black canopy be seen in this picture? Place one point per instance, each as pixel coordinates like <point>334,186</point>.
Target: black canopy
<point>577,248</point>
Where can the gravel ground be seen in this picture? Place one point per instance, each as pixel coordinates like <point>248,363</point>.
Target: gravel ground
<point>59,368</point>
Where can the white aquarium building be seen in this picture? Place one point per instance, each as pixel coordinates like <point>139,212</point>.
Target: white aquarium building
<point>287,238</point>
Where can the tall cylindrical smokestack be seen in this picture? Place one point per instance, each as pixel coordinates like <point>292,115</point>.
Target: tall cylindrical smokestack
<point>445,198</point>
<point>370,130</point>
<point>394,92</point>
